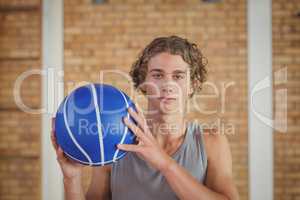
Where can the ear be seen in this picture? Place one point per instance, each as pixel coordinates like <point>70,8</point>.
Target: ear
<point>191,88</point>
<point>142,88</point>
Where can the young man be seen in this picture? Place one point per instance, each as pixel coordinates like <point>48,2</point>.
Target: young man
<point>173,158</point>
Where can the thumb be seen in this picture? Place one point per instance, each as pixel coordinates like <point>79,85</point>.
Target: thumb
<point>60,155</point>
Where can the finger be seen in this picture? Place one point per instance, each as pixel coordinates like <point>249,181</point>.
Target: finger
<point>138,108</point>
<point>62,158</point>
<point>73,162</point>
<point>53,123</point>
<point>60,151</point>
<point>129,147</point>
<point>142,116</point>
<point>140,119</point>
<point>53,136</point>
<point>54,143</point>
<point>141,122</point>
<point>138,141</point>
<point>136,130</point>
<point>60,155</point>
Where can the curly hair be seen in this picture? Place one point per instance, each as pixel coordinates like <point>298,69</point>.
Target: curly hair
<point>174,45</point>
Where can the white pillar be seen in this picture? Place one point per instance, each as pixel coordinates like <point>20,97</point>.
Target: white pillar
<point>52,93</point>
<point>260,100</point>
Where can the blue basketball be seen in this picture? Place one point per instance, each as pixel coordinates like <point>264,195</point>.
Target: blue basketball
<point>89,124</point>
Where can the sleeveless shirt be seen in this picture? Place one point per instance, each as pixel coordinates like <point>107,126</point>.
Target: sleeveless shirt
<point>133,178</point>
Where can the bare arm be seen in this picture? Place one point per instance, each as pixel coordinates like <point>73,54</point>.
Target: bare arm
<point>219,174</point>
<point>70,169</point>
<point>218,184</point>
<point>73,189</point>
<point>100,184</point>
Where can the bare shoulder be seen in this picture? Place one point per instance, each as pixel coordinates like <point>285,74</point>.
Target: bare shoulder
<point>219,171</point>
<point>215,141</point>
<point>213,134</point>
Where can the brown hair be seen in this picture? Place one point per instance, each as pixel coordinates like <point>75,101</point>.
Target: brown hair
<point>177,46</point>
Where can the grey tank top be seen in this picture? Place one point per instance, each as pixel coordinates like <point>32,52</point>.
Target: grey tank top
<point>133,178</point>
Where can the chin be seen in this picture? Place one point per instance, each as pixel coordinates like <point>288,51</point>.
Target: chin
<point>170,109</point>
<point>163,108</point>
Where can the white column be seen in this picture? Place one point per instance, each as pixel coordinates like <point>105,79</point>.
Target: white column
<point>260,100</point>
<point>52,93</point>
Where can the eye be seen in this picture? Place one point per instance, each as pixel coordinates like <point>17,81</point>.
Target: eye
<point>178,77</point>
<point>157,76</point>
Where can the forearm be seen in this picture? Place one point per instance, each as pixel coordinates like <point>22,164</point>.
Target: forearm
<point>73,189</point>
<point>186,186</point>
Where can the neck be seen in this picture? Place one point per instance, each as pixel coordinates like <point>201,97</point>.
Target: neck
<point>166,126</point>
<point>168,130</point>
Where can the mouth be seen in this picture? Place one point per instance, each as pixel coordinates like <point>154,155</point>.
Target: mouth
<point>167,98</point>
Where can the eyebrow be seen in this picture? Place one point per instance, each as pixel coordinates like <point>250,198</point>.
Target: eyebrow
<point>178,71</point>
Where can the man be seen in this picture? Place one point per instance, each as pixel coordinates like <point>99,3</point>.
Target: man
<point>174,158</point>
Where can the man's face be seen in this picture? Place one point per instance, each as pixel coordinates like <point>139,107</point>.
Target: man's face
<point>167,83</point>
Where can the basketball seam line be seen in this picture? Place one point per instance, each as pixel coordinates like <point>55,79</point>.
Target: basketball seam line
<point>126,129</point>
<point>98,123</point>
<point>72,136</point>
<point>95,163</point>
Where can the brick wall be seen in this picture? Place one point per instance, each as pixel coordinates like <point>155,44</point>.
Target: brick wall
<point>286,55</point>
<point>110,35</point>
<point>19,132</point>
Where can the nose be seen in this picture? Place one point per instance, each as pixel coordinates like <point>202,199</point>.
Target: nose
<point>169,87</point>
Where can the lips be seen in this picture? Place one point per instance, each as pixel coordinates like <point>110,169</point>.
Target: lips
<point>167,98</point>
